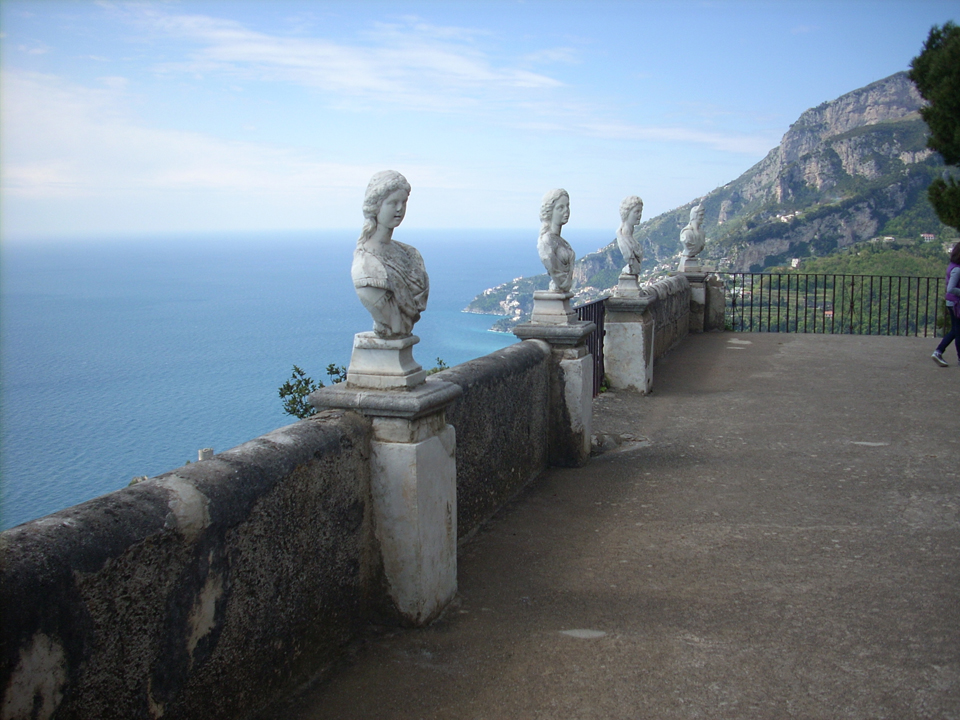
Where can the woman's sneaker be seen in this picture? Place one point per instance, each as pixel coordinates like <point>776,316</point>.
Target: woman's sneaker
<point>938,359</point>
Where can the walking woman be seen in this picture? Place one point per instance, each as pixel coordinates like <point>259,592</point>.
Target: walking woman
<point>953,308</point>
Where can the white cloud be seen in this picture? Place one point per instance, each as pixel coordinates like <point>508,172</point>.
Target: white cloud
<point>65,139</point>
<point>36,49</point>
<point>422,67</point>
<point>74,160</point>
<point>415,65</point>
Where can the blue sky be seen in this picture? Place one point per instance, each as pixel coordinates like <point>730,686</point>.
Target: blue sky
<point>127,118</point>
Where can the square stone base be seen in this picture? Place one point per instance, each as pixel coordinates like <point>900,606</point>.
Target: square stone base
<point>384,364</point>
<point>627,287</point>
<point>628,354</point>
<point>552,308</point>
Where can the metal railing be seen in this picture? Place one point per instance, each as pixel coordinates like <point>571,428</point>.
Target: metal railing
<point>847,304</point>
<point>594,312</point>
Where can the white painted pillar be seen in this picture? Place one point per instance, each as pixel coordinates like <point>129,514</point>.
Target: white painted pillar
<point>571,406</point>
<point>413,489</point>
<point>628,343</point>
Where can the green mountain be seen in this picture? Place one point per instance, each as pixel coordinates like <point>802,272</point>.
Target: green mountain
<point>846,172</point>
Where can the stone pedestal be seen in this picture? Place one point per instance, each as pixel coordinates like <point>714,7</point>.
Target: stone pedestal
<point>698,299</point>
<point>384,364</point>
<point>571,388</point>
<point>413,489</point>
<point>690,265</point>
<point>552,308</point>
<point>628,344</point>
<point>627,287</point>
<point>715,314</point>
<point>707,301</point>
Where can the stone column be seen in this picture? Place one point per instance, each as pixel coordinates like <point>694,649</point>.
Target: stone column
<point>715,314</point>
<point>628,330</point>
<point>571,385</point>
<point>698,298</point>
<point>707,301</point>
<point>413,472</point>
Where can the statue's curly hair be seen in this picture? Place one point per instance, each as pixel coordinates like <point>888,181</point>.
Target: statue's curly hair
<point>379,187</point>
<point>628,204</point>
<point>549,200</point>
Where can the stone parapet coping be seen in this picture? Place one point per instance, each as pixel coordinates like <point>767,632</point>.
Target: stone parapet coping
<point>562,335</point>
<point>417,402</point>
<point>629,304</point>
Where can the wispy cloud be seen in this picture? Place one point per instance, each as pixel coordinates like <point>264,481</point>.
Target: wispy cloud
<point>35,49</point>
<point>421,67</point>
<point>415,65</point>
<point>66,140</point>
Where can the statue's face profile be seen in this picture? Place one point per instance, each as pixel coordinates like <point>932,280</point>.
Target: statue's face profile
<point>561,211</point>
<point>633,217</point>
<point>393,209</point>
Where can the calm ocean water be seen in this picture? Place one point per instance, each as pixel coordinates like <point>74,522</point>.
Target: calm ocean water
<point>124,357</point>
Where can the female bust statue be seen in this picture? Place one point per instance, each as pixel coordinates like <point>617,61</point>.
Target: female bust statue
<point>693,237</point>
<point>631,210</point>
<point>555,253</point>
<point>389,276</point>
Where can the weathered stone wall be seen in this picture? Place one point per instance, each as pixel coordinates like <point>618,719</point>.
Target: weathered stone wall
<point>671,313</point>
<point>502,427</point>
<point>213,590</point>
<point>201,593</point>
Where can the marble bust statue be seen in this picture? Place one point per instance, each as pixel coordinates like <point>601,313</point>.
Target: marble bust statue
<point>631,210</point>
<point>693,237</point>
<point>555,253</point>
<point>389,276</point>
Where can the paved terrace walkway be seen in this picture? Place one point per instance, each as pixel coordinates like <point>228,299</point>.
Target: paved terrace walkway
<point>782,540</point>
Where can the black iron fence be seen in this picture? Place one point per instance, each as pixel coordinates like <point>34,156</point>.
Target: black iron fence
<point>594,312</point>
<point>850,304</point>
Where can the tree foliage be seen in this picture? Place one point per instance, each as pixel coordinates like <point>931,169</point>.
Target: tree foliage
<point>295,392</point>
<point>889,259</point>
<point>936,73</point>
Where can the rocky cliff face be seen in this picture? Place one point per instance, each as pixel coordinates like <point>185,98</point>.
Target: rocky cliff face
<point>842,171</point>
<point>892,98</point>
<point>808,154</point>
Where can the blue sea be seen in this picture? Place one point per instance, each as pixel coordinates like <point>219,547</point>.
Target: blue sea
<point>123,357</point>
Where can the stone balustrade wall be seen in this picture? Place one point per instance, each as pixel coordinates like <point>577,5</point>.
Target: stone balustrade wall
<point>202,593</point>
<point>212,590</point>
<point>671,313</point>
<point>502,426</point>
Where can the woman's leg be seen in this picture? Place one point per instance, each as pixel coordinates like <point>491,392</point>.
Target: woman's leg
<point>955,329</point>
<point>951,337</point>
